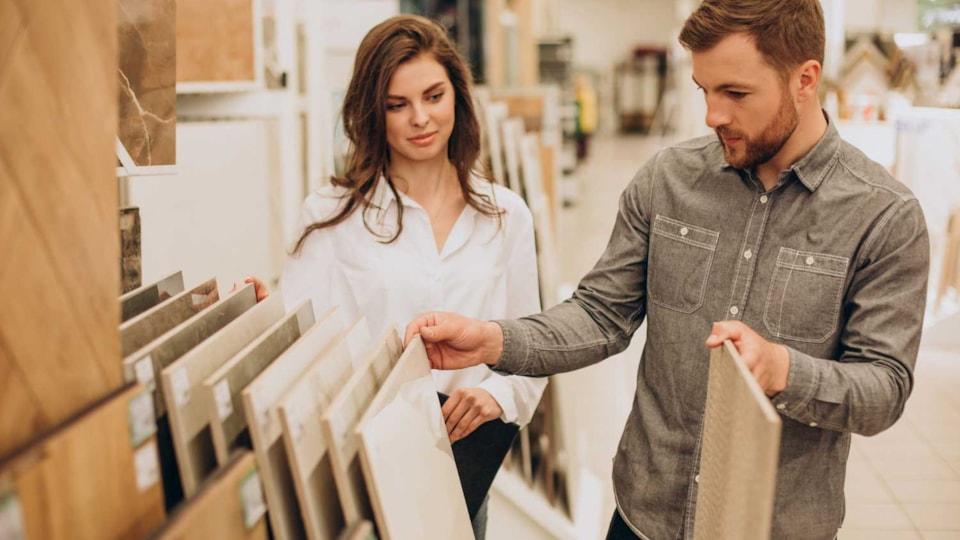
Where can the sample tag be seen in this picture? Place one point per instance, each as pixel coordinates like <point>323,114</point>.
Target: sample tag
<point>143,424</point>
<point>147,466</point>
<point>11,518</point>
<point>295,423</point>
<point>261,411</point>
<point>144,372</point>
<point>251,499</point>
<point>180,384</point>
<point>221,393</point>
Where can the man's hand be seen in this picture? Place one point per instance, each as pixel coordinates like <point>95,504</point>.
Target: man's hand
<point>455,342</point>
<point>768,362</point>
<point>467,409</point>
<point>260,289</point>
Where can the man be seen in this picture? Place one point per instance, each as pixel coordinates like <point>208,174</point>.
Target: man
<point>811,255</point>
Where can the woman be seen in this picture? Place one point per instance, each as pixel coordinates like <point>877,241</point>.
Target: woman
<point>411,226</point>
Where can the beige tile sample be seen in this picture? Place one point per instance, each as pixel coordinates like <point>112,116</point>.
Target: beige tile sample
<point>153,323</point>
<point>260,398</point>
<point>215,40</point>
<point>339,423</point>
<point>738,457</point>
<point>221,390</point>
<point>299,412</point>
<point>139,300</point>
<point>406,456</point>
<point>182,385</point>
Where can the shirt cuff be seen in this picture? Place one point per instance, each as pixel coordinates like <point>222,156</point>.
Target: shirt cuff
<point>801,385</point>
<point>501,390</point>
<point>515,348</point>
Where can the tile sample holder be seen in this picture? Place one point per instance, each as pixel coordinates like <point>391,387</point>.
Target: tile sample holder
<point>739,453</point>
<point>94,477</point>
<point>260,398</point>
<point>154,322</point>
<point>182,385</point>
<point>299,413</point>
<point>407,459</point>
<point>229,504</point>
<point>221,390</point>
<point>339,422</point>
<point>139,300</point>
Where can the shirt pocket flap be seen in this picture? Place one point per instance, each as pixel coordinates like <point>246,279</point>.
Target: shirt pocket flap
<point>685,232</point>
<point>808,261</point>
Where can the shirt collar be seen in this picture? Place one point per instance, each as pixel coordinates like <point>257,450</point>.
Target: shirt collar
<point>383,196</point>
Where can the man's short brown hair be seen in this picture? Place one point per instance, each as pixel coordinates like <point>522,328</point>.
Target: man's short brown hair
<point>787,32</point>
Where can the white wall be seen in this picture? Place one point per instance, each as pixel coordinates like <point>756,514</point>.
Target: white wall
<point>880,15</point>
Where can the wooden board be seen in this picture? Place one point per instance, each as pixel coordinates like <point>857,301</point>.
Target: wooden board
<point>738,457</point>
<point>58,213</point>
<point>139,300</point>
<point>259,400</point>
<point>223,507</point>
<point>216,40</point>
<point>406,456</point>
<point>299,413</point>
<point>145,365</point>
<point>95,477</point>
<point>182,389</point>
<point>221,390</point>
<point>157,320</point>
<point>339,422</point>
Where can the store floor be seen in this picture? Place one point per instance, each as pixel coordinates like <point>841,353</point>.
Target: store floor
<point>901,484</point>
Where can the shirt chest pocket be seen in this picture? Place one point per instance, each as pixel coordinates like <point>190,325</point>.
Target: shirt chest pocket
<point>803,302</point>
<point>680,258</point>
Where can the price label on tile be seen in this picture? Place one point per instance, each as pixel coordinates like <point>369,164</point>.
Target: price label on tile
<point>261,411</point>
<point>143,423</point>
<point>338,424</point>
<point>11,518</point>
<point>295,423</point>
<point>180,384</point>
<point>251,499</point>
<point>146,465</point>
<point>144,372</point>
<point>221,393</point>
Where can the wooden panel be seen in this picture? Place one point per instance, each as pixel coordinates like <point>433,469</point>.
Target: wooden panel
<point>145,365</point>
<point>146,80</point>
<point>156,321</point>
<point>340,420</point>
<point>407,459</point>
<point>259,407</point>
<point>219,509</point>
<point>215,41</point>
<point>182,385</point>
<point>137,301</point>
<point>58,220</point>
<point>299,413</point>
<point>95,477</point>
<point>738,459</point>
<point>222,389</point>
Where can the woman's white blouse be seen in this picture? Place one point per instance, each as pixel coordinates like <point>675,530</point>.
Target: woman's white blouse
<point>482,272</point>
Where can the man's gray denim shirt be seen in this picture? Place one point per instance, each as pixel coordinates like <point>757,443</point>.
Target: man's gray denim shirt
<point>832,263</point>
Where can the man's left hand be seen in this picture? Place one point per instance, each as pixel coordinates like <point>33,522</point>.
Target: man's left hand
<point>467,409</point>
<point>768,362</point>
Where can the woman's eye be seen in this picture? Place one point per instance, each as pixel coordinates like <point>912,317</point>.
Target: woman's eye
<point>436,97</point>
<point>394,106</point>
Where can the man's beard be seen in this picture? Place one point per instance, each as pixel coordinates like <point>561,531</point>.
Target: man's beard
<point>771,138</point>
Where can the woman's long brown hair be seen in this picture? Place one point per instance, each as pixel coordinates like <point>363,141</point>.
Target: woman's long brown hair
<point>387,46</point>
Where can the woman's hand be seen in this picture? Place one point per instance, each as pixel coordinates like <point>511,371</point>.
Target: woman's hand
<point>466,409</point>
<point>259,287</point>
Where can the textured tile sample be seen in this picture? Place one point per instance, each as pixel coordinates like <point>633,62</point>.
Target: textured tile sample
<point>215,41</point>
<point>59,351</point>
<point>146,80</point>
<point>738,458</point>
<point>182,385</point>
<point>406,456</point>
<point>153,323</point>
<point>139,300</point>
<point>94,477</point>
<point>131,269</point>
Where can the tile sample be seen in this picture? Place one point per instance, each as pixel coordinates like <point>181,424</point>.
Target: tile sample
<point>146,80</point>
<point>139,300</point>
<point>361,530</point>
<point>216,40</point>
<point>738,458</point>
<point>298,412</point>
<point>223,507</point>
<point>407,459</point>
<point>131,269</point>
<point>339,423</point>
<point>153,323</point>
<point>512,131</point>
<point>222,388</point>
<point>58,213</point>
<point>182,385</point>
<point>94,477</point>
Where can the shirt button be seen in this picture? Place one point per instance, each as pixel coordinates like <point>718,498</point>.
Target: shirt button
<point>684,231</point>
<point>763,199</point>
<point>809,261</point>
<point>747,254</point>
<point>734,310</point>
<point>696,478</point>
<point>781,406</point>
<point>813,424</point>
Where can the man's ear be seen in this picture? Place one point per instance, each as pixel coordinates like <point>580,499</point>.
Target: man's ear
<point>808,80</point>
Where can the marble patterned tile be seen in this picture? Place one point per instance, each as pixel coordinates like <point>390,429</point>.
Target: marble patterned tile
<point>153,323</point>
<point>146,80</point>
<point>139,300</point>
